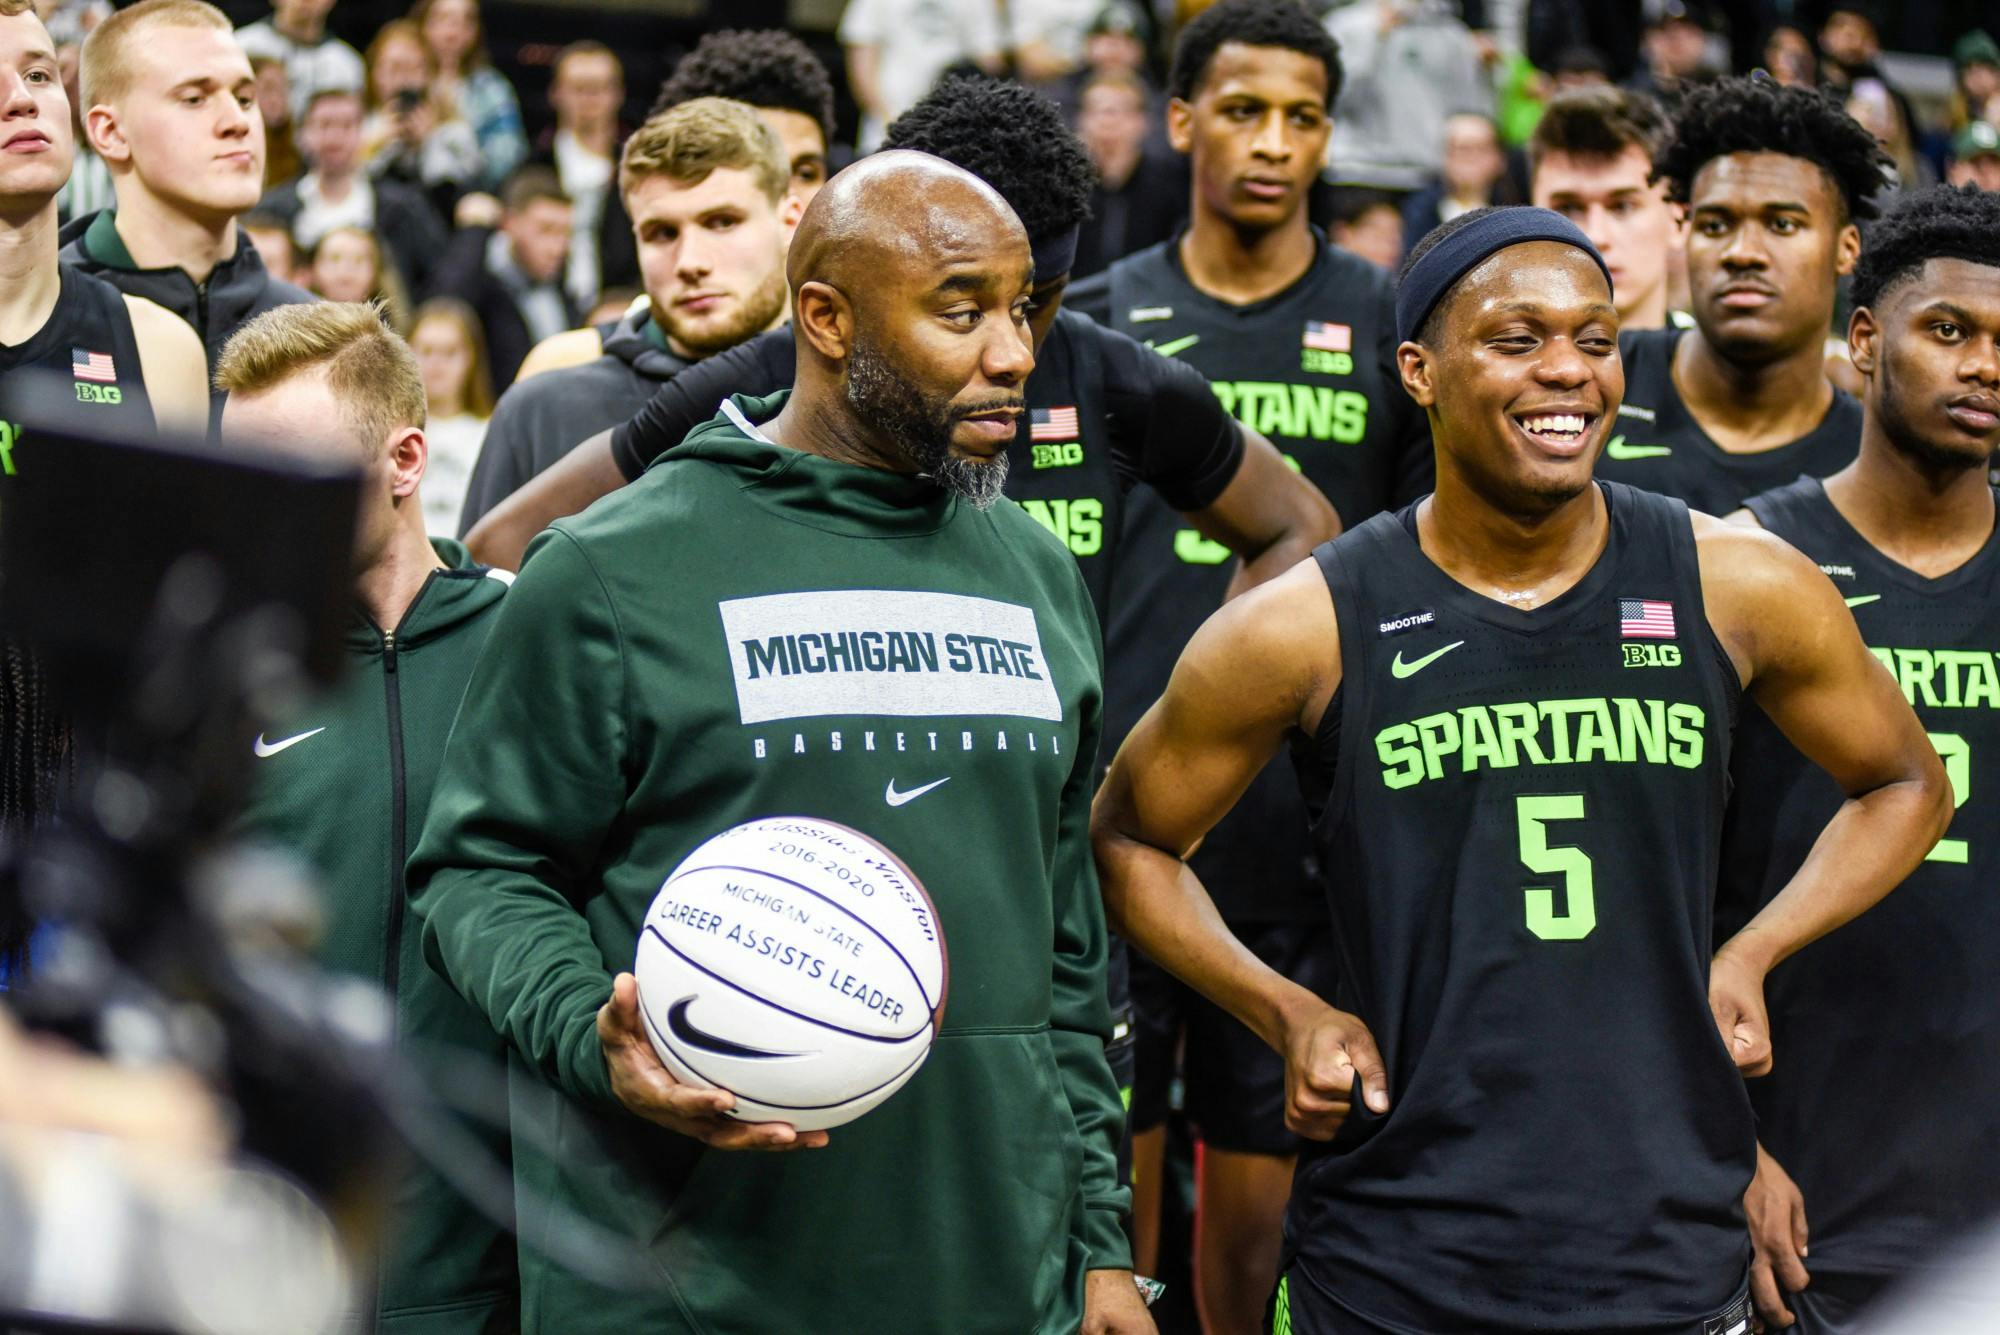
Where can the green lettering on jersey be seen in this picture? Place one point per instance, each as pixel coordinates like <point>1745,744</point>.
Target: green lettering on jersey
<point>1056,456</point>
<point>1592,730</point>
<point>1943,678</point>
<point>1296,412</point>
<point>88,393</point>
<point>10,436</point>
<point>1079,523</point>
<point>1318,361</point>
<point>1191,547</point>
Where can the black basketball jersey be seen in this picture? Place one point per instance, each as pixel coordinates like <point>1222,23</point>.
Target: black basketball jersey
<point>85,354</point>
<point>1657,444</point>
<point>1524,810</point>
<point>1886,1033</point>
<point>1313,369</point>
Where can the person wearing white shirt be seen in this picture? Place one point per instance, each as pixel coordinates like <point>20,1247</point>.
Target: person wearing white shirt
<point>314,60</point>
<point>896,49</point>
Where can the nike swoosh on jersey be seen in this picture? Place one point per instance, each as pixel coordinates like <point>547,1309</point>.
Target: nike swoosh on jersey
<point>1173,347</point>
<point>1416,665</point>
<point>687,1032</point>
<point>896,799</point>
<point>1616,448</point>
<point>265,749</point>
<point>1861,599</point>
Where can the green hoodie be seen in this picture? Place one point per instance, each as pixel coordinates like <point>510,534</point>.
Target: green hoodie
<point>749,631</point>
<point>345,784</point>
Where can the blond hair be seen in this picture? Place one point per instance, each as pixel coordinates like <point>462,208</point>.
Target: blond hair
<point>687,142</point>
<point>105,66</point>
<point>13,9</point>
<point>370,370</point>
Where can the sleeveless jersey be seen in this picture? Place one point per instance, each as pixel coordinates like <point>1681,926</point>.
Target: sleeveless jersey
<point>85,354</point>
<point>1312,368</point>
<point>1657,444</point>
<point>1886,1033</point>
<point>1523,810</point>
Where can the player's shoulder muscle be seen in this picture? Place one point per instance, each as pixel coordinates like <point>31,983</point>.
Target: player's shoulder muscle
<point>1271,655</point>
<point>1765,599</point>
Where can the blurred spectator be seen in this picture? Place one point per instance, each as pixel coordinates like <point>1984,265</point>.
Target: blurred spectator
<point>1975,89</point>
<point>281,150</point>
<point>1790,57</point>
<point>1850,42</point>
<point>1870,102</point>
<point>1613,30</point>
<point>467,79</point>
<point>89,186</point>
<point>511,275</point>
<point>1141,195</point>
<point>1676,50</point>
<point>1368,223</point>
<point>347,265</point>
<point>1471,176</point>
<point>336,192</point>
<point>1975,157</point>
<point>1411,65</point>
<point>70,21</point>
<point>1115,43</point>
<point>412,132</point>
<point>458,387</point>
<point>1579,67</point>
<point>1591,160</point>
<point>273,239</point>
<point>613,305</point>
<point>1046,38</point>
<point>707,184</point>
<point>896,49</point>
<point>172,117</point>
<point>314,60</point>
<point>774,72</point>
<point>585,93</point>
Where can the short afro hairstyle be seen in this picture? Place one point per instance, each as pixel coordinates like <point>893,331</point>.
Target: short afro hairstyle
<point>766,68</point>
<point>1938,223</point>
<point>1010,137</point>
<point>1282,23</point>
<point>1758,115</point>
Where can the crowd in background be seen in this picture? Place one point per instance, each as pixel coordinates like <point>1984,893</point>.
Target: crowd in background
<point>410,168</point>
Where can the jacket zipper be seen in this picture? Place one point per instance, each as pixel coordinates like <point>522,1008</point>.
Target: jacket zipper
<point>398,816</point>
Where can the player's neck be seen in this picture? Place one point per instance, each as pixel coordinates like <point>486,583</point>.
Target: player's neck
<point>1239,266</point>
<point>1523,561</point>
<point>158,236</point>
<point>386,589</point>
<point>334,187</point>
<point>1747,408</point>
<point>1924,516</point>
<point>595,139</point>
<point>815,420</point>
<point>30,275</point>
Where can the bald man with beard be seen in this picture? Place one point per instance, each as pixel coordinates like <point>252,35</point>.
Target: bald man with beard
<point>699,658</point>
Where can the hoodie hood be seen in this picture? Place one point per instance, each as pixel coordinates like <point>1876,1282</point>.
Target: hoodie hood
<point>818,493</point>
<point>452,596</point>
<point>635,340</point>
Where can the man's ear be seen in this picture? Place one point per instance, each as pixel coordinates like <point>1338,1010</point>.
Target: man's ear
<point>1847,249</point>
<point>106,135</point>
<point>790,209</point>
<point>1863,340</point>
<point>409,456</point>
<point>1413,364</point>
<point>826,317</point>
<point>1180,125</point>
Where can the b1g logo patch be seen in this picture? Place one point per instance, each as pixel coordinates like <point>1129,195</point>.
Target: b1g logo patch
<point>1067,455</point>
<point>1652,655</point>
<point>86,393</point>
<point>1326,348</point>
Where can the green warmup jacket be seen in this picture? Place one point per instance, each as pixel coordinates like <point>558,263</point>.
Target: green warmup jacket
<point>752,631</point>
<point>345,784</point>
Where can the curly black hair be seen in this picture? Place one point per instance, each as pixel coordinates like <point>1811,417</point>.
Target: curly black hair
<point>1282,23</point>
<point>1938,223</point>
<point>1758,115</point>
<point>1010,137</point>
<point>765,68</point>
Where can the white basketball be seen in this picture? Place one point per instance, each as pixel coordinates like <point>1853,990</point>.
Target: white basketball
<point>797,964</point>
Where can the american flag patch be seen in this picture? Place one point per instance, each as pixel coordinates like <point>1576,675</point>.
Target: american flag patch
<point>1642,618</point>
<point>1052,423</point>
<point>92,366</point>
<point>1328,337</point>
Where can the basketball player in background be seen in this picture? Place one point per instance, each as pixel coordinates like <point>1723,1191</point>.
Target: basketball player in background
<point>1530,1122</point>
<point>1774,181</point>
<point>1297,339</point>
<point>983,1195</point>
<point>128,361</point>
<point>1904,1000</point>
<point>1591,160</point>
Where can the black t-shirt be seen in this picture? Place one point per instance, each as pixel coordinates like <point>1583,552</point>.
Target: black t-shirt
<point>1886,1034</point>
<point>83,360</point>
<point>1103,414</point>
<point>1313,369</point>
<point>1521,813</point>
<point>1657,444</point>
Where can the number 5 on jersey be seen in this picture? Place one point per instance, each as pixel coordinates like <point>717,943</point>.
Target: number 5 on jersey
<point>1579,915</point>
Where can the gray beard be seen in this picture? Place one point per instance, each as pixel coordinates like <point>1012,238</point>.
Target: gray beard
<point>920,427</point>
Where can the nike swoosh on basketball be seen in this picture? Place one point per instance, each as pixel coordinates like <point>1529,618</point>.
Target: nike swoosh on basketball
<point>896,799</point>
<point>1861,599</point>
<point>1616,448</point>
<point>1416,665</point>
<point>686,1031</point>
<point>265,749</point>
<point>1175,346</point>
